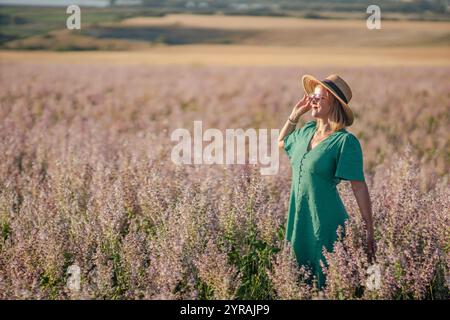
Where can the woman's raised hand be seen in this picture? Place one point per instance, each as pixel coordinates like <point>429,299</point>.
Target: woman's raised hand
<point>302,106</point>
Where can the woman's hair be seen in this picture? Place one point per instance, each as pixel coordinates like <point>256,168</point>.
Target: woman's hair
<point>337,117</point>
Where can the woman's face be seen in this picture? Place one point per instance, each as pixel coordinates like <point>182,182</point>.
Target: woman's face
<point>321,104</point>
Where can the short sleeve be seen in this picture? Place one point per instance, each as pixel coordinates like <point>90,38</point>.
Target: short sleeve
<point>350,160</point>
<point>294,136</point>
<point>290,139</point>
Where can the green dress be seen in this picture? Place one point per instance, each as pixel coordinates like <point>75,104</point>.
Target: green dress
<point>315,207</point>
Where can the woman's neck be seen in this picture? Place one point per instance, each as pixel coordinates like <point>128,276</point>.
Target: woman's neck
<point>323,127</point>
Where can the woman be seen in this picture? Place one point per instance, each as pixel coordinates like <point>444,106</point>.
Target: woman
<point>322,153</point>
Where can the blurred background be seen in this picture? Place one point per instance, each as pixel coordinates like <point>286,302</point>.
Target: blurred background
<point>230,32</point>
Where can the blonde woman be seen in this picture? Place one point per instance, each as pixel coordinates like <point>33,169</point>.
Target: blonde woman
<point>322,153</point>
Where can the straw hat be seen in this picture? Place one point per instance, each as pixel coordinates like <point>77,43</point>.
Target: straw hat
<point>338,88</point>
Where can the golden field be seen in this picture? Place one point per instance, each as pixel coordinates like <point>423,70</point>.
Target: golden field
<point>290,31</point>
<point>243,55</point>
<point>249,41</point>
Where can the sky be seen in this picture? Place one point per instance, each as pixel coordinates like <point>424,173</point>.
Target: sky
<point>65,3</point>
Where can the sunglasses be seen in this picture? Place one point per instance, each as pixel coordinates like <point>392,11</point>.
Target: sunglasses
<point>315,97</point>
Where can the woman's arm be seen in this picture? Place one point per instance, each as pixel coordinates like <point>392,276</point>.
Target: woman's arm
<point>299,109</point>
<point>362,196</point>
<point>287,129</point>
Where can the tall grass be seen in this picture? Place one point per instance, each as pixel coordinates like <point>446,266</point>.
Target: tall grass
<point>86,180</point>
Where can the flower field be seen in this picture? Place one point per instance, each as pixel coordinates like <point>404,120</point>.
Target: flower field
<point>86,180</point>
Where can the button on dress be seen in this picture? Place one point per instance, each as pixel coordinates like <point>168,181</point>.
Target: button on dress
<point>315,207</point>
